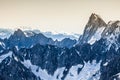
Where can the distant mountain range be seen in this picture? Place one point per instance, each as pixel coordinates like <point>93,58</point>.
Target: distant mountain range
<point>6,33</point>
<point>32,55</point>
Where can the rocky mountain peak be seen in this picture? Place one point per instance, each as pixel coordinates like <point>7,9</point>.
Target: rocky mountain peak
<point>95,25</point>
<point>116,23</point>
<point>96,20</point>
<point>112,27</point>
<point>19,33</point>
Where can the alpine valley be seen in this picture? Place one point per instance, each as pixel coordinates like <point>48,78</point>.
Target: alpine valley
<point>32,55</point>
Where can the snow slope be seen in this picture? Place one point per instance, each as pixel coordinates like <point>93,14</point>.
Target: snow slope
<point>86,73</point>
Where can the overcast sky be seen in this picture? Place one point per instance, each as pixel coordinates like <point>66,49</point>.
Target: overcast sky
<point>69,16</point>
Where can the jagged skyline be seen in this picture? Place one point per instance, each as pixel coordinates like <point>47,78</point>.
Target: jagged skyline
<point>55,15</point>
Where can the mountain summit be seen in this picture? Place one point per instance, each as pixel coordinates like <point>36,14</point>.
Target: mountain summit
<point>95,19</point>
<point>94,26</point>
<point>97,29</point>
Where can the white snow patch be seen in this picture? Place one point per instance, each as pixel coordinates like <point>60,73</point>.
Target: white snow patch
<point>58,74</point>
<point>2,57</point>
<point>92,40</point>
<point>4,35</point>
<point>2,44</point>
<point>40,73</point>
<point>15,58</point>
<point>73,72</point>
<point>105,64</point>
<point>31,46</point>
<point>29,34</point>
<point>89,70</point>
<point>62,53</point>
<point>1,51</point>
<point>78,52</point>
<point>43,73</point>
<point>17,48</point>
<point>95,17</point>
<point>119,75</point>
<point>26,34</point>
<point>86,73</point>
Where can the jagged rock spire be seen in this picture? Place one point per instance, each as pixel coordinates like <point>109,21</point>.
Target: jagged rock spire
<point>95,19</point>
<point>94,22</point>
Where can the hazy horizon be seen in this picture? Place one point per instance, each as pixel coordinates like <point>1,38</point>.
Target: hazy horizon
<point>69,16</point>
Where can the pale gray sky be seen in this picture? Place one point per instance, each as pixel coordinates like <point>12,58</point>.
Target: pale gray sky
<point>55,15</point>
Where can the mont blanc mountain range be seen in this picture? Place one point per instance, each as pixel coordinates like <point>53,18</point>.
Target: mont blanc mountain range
<point>32,55</point>
<point>6,33</point>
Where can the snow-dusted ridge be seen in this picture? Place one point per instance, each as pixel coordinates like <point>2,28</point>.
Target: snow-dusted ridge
<point>86,73</point>
<point>96,29</point>
<point>6,33</point>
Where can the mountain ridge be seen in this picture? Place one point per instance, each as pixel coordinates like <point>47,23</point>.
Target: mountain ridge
<point>96,55</point>
<point>96,29</point>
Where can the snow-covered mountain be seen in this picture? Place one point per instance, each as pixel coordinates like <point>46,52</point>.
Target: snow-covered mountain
<point>48,63</point>
<point>95,56</point>
<point>6,33</point>
<point>61,36</point>
<point>27,39</point>
<point>93,30</point>
<point>96,29</point>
